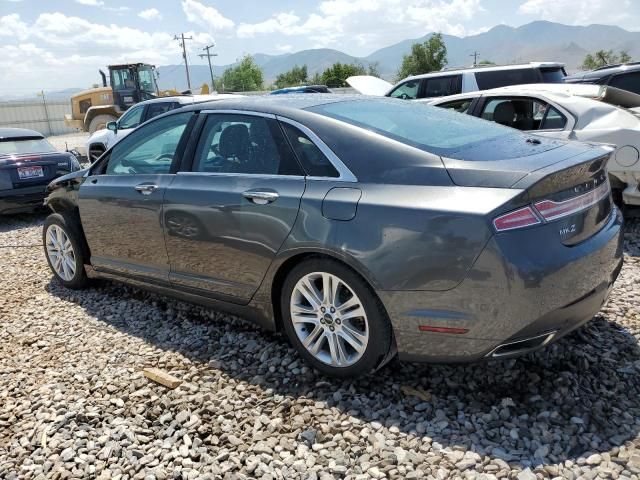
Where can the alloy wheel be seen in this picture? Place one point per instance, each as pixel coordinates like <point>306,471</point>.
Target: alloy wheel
<point>60,252</point>
<point>329,319</point>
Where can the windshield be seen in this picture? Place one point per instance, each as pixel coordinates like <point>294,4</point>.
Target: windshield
<point>23,146</point>
<point>432,129</point>
<point>146,79</point>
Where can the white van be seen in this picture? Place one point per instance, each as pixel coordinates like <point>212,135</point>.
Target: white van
<point>461,80</point>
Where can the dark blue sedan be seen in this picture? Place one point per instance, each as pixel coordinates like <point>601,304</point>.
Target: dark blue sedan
<point>28,162</point>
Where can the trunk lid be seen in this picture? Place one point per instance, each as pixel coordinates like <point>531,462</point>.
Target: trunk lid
<point>570,197</point>
<point>369,85</point>
<point>17,171</point>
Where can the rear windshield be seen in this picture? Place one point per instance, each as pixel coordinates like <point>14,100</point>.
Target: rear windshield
<point>552,75</point>
<point>432,129</point>
<point>22,146</point>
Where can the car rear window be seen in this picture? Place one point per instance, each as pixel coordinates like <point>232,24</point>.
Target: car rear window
<point>18,146</point>
<point>432,129</point>
<point>504,78</point>
<point>552,75</point>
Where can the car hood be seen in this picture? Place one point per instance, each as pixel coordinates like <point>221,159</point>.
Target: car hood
<point>369,85</point>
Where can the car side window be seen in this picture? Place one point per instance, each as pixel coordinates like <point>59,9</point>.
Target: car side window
<point>503,78</point>
<point>461,106</point>
<point>149,150</point>
<point>314,162</point>
<point>442,86</point>
<point>407,91</point>
<point>627,81</point>
<point>158,108</point>
<point>523,113</point>
<point>236,143</point>
<point>131,118</point>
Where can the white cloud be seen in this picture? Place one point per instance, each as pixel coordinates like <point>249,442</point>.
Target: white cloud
<point>91,3</point>
<point>150,14</point>
<point>584,12</point>
<point>12,26</point>
<point>369,22</point>
<point>205,16</point>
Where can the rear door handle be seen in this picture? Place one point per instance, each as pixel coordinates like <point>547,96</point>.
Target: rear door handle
<point>146,188</point>
<point>260,197</point>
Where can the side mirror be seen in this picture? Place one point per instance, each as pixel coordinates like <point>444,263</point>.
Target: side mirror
<point>113,126</point>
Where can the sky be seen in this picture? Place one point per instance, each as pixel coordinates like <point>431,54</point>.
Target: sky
<point>55,44</point>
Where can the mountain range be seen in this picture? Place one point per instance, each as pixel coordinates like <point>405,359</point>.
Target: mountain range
<point>502,44</point>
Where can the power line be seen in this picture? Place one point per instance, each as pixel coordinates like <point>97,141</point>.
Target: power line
<point>209,55</point>
<point>182,39</point>
<point>475,56</point>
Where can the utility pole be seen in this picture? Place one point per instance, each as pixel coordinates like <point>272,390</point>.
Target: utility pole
<point>182,39</point>
<point>475,56</point>
<point>209,55</point>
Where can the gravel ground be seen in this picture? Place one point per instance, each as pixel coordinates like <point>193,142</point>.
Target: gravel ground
<point>71,141</point>
<point>74,402</point>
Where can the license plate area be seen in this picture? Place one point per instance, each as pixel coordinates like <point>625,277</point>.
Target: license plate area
<point>26,173</point>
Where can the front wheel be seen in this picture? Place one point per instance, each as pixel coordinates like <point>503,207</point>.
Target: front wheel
<point>63,248</point>
<point>334,319</point>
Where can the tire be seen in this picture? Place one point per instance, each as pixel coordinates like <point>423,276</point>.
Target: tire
<point>319,328</point>
<point>71,274</point>
<point>99,122</point>
<point>95,151</point>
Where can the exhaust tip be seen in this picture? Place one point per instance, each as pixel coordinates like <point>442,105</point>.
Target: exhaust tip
<point>521,346</point>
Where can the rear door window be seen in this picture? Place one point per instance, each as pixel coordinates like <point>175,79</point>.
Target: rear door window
<point>627,81</point>
<point>523,114</point>
<point>504,78</point>
<point>407,91</point>
<point>442,86</point>
<point>312,159</point>
<point>158,108</point>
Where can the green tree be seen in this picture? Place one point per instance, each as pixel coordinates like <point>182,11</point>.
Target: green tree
<point>602,58</point>
<point>244,77</point>
<point>374,69</point>
<point>316,79</point>
<point>486,62</point>
<point>336,75</point>
<point>424,57</point>
<point>296,76</point>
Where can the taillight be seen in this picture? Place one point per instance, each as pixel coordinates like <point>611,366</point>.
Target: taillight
<point>523,217</point>
<point>550,210</point>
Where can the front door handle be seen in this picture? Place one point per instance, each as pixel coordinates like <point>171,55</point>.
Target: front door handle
<point>146,188</point>
<point>260,197</point>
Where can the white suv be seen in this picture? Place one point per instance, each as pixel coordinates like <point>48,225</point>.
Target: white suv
<point>454,81</point>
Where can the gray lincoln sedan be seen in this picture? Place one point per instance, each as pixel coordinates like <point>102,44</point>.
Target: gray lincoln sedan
<point>362,227</point>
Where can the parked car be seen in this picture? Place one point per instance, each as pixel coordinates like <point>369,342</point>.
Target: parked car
<point>28,162</point>
<point>359,226</point>
<point>624,76</point>
<point>577,112</point>
<point>302,89</point>
<point>101,140</point>
<point>460,80</point>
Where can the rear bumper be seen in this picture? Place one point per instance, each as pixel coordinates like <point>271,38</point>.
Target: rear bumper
<point>20,200</point>
<point>515,291</point>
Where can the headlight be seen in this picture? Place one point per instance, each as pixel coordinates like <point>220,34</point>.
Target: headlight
<point>74,164</point>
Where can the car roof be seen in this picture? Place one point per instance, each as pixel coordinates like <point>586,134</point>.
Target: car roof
<point>605,71</point>
<point>11,133</point>
<point>279,104</point>
<point>488,68</point>
<point>189,99</point>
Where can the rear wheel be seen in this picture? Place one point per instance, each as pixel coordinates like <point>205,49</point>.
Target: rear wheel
<point>334,319</point>
<point>99,122</point>
<point>63,247</point>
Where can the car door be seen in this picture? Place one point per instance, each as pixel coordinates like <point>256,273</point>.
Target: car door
<point>121,200</point>
<point>626,81</point>
<point>226,218</point>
